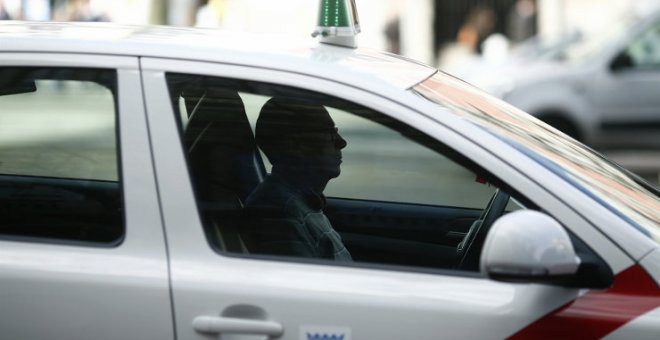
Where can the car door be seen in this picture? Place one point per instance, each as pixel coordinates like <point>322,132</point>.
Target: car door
<point>625,92</point>
<point>82,253</point>
<point>229,291</point>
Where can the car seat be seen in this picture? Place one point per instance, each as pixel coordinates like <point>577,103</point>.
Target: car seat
<point>224,162</point>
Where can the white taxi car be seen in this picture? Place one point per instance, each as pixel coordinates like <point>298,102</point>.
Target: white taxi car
<point>128,160</point>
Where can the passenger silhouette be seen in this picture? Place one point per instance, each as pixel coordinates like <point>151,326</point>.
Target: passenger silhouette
<point>285,212</point>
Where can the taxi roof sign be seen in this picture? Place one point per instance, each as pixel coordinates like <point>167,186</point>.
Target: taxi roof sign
<point>338,23</point>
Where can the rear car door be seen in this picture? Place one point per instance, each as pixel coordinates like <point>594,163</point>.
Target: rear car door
<point>223,288</point>
<point>82,253</point>
<point>625,93</point>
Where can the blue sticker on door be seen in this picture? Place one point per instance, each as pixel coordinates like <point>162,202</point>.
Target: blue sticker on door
<point>324,333</point>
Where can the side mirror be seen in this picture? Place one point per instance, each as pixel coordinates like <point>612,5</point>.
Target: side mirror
<point>621,62</point>
<point>528,246</point>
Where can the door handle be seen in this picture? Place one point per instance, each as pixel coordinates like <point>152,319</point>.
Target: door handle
<point>216,325</point>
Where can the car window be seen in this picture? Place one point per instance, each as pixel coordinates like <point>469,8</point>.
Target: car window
<point>59,175</point>
<point>382,161</point>
<point>594,44</point>
<point>280,171</point>
<point>644,51</point>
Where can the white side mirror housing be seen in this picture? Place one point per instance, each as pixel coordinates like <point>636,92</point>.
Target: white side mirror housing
<point>528,245</point>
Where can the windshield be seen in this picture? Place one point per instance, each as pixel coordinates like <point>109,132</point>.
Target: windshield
<point>595,43</point>
<point>587,170</point>
<point>614,31</point>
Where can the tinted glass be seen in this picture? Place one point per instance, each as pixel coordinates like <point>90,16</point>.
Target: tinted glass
<point>644,51</point>
<point>59,174</point>
<point>280,171</point>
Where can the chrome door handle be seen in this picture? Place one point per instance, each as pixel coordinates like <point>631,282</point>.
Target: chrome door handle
<point>216,325</point>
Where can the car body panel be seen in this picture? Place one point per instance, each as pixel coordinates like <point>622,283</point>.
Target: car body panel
<point>633,295</point>
<point>370,302</point>
<point>643,327</point>
<point>628,105</point>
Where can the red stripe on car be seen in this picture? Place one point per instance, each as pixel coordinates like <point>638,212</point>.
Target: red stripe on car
<point>599,312</point>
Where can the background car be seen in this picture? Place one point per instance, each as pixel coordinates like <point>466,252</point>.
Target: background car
<point>602,93</point>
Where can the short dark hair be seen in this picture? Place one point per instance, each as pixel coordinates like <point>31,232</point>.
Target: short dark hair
<point>282,118</point>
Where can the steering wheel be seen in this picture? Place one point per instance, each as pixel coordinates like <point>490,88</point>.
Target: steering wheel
<point>469,250</point>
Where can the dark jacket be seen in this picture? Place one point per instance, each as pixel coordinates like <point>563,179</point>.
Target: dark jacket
<point>283,220</point>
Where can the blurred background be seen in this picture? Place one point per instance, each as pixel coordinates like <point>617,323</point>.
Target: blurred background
<point>426,30</point>
<point>588,67</point>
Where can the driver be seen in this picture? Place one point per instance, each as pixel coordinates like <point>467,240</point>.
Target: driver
<point>286,210</point>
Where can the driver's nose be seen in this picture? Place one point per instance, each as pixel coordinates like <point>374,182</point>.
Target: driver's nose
<point>340,142</point>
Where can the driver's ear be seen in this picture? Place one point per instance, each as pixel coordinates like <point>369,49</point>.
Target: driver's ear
<point>295,146</point>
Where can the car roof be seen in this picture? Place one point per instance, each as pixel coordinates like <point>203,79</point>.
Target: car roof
<point>214,45</point>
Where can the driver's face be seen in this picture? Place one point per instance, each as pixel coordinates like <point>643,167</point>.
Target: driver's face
<point>321,147</point>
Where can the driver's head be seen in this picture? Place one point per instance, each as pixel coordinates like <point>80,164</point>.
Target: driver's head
<point>299,134</point>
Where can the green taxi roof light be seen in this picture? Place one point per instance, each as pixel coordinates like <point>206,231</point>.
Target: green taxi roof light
<point>333,13</point>
<point>338,22</point>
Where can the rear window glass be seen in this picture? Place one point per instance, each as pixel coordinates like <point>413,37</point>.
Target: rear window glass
<point>59,174</point>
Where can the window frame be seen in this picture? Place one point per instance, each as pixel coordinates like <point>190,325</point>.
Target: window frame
<point>134,169</point>
<point>111,84</point>
<point>132,275</point>
<point>269,90</point>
